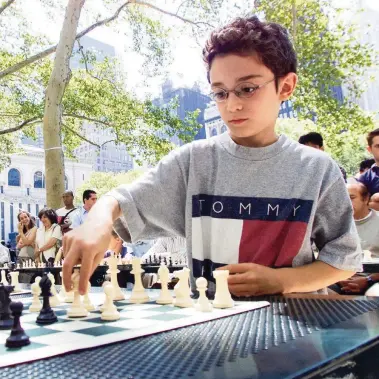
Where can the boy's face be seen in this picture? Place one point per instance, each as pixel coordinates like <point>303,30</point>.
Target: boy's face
<point>374,148</point>
<point>251,118</point>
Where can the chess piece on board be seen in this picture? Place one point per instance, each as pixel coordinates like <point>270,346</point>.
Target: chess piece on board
<point>223,298</point>
<point>54,300</point>
<point>47,315</point>
<point>182,289</point>
<point>77,308</point>
<point>14,279</point>
<point>203,304</point>
<point>18,337</point>
<point>66,297</point>
<point>36,304</point>
<point>110,312</point>
<point>4,278</point>
<point>87,301</point>
<point>6,321</point>
<point>113,271</point>
<point>165,296</point>
<point>106,283</point>
<point>139,294</point>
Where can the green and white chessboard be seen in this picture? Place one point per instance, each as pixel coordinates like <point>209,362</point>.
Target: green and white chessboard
<point>136,320</point>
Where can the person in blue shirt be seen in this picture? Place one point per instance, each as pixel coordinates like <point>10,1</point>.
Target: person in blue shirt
<point>116,246</point>
<point>371,177</point>
<point>79,216</point>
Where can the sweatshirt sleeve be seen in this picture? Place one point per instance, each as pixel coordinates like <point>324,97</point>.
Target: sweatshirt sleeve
<point>334,231</point>
<point>154,206</point>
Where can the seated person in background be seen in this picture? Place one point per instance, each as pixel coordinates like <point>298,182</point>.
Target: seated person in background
<point>116,246</point>
<point>140,247</point>
<point>5,257</point>
<point>371,177</point>
<point>166,247</point>
<point>367,222</point>
<point>26,238</point>
<point>49,236</point>
<point>366,219</point>
<point>364,166</point>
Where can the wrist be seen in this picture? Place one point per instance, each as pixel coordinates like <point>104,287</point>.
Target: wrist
<point>283,280</point>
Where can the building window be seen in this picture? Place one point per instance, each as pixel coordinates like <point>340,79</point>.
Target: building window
<point>39,180</point>
<point>83,176</point>
<point>19,208</point>
<point>28,191</point>
<point>214,132</point>
<point>2,189</point>
<point>65,183</point>
<point>29,211</point>
<point>14,177</point>
<point>223,129</point>
<point>11,214</point>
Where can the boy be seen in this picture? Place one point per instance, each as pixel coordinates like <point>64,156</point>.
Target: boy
<point>247,199</point>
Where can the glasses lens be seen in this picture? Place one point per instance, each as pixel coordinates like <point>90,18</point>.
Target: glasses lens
<point>245,90</point>
<point>219,95</point>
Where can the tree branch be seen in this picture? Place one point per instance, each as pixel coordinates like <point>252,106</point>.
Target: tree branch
<point>80,136</point>
<point>30,121</point>
<point>50,50</point>
<point>6,5</point>
<point>186,20</point>
<point>86,118</point>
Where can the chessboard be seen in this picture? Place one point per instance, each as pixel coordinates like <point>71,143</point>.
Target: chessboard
<point>137,320</point>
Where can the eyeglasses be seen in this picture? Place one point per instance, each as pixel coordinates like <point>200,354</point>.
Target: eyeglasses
<point>242,91</point>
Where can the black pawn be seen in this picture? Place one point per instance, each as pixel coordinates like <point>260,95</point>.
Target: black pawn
<point>47,315</point>
<point>170,262</point>
<point>155,259</point>
<point>6,321</point>
<point>150,261</point>
<point>18,337</point>
<point>165,261</point>
<point>160,260</point>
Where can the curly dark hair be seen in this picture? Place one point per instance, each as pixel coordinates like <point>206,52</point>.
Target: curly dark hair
<point>50,214</point>
<point>246,36</point>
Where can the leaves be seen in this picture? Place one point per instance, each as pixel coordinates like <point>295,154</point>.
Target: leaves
<point>329,56</point>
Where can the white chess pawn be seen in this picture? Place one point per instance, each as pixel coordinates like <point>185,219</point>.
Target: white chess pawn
<point>4,277</point>
<point>36,291</point>
<point>18,266</point>
<point>223,298</point>
<point>110,312</point>
<point>113,270</point>
<point>165,296</point>
<point>54,299</point>
<point>203,304</point>
<point>182,290</point>
<point>106,283</point>
<point>77,309</point>
<point>66,297</point>
<point>87,301</point>
<point>14,281</point>
<point>139,294</point>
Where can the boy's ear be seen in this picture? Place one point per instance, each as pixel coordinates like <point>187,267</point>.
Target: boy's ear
<point>369,149</point>
<point>287,86</point>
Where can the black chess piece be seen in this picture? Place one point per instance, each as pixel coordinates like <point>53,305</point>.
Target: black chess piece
<point>165,261</point>
<point>47,315</point>
<point>160,260</point>
<point>18,337</point>
<point>6,320</point>
<point>155,259</point>
<point>170,261</point>
<point>150,260</point>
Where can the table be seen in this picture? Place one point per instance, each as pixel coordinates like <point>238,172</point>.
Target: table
<point>298,336</point>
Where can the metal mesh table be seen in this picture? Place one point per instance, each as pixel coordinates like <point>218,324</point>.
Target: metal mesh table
<point>293,338</point>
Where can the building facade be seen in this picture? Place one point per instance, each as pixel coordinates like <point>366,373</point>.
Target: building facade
<point>189,100</point>
<point>22,186</point>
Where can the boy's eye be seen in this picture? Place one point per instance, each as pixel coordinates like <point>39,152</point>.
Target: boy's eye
<point>219,95</point>
<point>246,90</point>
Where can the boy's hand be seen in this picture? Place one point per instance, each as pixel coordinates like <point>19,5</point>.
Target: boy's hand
<point>354,285</point>
<point>250,279</point>
<point>84,245</point>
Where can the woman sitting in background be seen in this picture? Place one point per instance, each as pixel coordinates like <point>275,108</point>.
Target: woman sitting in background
<point>26,238</point>
<point>49,236</point>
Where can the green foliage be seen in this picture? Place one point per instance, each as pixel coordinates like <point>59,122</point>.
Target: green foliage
<point>329,54</point>
<point>103,182</point>
<point>294,128</point>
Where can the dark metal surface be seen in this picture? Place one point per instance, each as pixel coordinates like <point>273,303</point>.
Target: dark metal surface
<point>292,338</point>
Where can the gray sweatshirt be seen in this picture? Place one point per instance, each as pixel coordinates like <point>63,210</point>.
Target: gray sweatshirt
<point>238,204</point>
<point>368,231</point>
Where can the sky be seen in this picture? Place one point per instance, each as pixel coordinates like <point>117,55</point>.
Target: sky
<point>186,67</point>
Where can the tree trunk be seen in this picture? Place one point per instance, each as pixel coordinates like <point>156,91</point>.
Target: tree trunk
<point>52,122</point>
